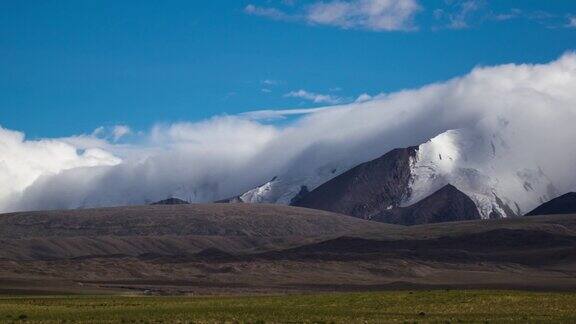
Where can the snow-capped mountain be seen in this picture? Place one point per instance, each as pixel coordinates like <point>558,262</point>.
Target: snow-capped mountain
<point>486,168</point>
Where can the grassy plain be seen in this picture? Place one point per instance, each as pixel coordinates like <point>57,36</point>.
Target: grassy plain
<point>454,306</point>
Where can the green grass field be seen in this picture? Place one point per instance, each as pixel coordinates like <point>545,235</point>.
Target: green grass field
<point>404,306</point>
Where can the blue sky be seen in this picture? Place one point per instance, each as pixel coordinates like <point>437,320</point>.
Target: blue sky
<point>69,67</point>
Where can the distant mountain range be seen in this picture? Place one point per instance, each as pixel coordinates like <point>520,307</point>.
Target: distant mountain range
<point>457,175</point>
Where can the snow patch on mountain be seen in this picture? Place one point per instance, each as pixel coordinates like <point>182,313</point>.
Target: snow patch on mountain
<point>481,167</point>
<point>263,193</point>
<point>283,189</point>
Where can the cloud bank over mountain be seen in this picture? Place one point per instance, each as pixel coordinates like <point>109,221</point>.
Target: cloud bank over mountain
<point>530,110</point>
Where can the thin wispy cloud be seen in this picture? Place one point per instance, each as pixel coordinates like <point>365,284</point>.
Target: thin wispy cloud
<point>315,97</point>
<point>571,22</point>
<point>373,15</point>
<point>376,15</point>
<point>274,114</point>
<point>544,18</point>
<point>114,133</point>
<point>400,15</point>
<point>458,14</point>
<point>463,14</point>
<point>270,82</point>
<point>270,13</point>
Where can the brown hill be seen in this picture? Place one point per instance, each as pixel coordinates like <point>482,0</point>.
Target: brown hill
<point>242,248</point>
<point>167,230</point>
<point>445,205</point>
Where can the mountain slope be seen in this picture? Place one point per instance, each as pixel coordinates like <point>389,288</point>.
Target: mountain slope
<point>565,204</point>
<point>367,188</point>
<point>445,205</point>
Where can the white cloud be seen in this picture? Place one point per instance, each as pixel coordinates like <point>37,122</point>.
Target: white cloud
<point>314,97</point>
<point>374,15</point>
<point>23,161</point>
<point>531,107</point>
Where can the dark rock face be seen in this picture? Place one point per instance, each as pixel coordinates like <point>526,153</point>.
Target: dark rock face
<point>565,204</point>
<point>366,189</point>
<point>445,205</point>
<point>171,201</point>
